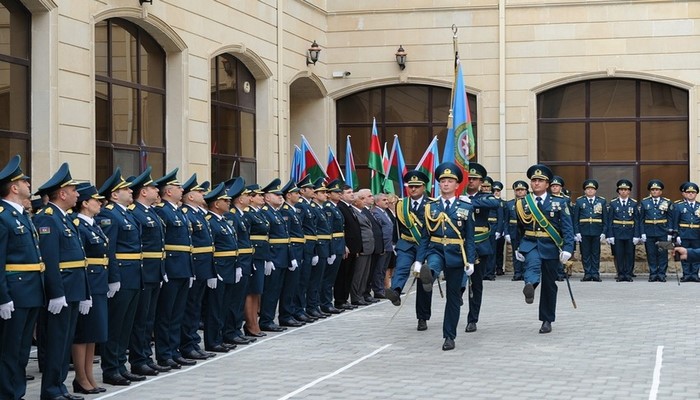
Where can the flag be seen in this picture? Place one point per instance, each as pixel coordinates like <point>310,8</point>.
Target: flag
<point>333,169</point>
<point>427,165</point>
<point>295,172</point>
<point>388,186</point>
<point>459,144</point>
<point>397,166</point>
<point>374,162</point>
<point>310,164</point>
<point>350,171</point>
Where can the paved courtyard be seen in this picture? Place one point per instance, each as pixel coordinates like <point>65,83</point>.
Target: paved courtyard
<point>625,341</point>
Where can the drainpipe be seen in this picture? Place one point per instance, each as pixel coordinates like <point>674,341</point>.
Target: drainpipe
<point>502,92</point>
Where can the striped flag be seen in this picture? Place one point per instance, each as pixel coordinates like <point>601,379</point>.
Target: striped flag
<point>427,165</point>
<point>350,171</point>
<point>333,168</point>
<point>397,167</point>
<point>311,165</point>
<point>374,163</point>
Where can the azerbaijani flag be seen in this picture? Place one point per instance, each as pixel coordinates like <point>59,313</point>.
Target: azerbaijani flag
<point>397,166</point>
<point>350,171</point>
<point>459,144</point>
<point>311,165</point>
<point>374,161</point>
<point>427,165</point>
<point>333,169</point>
<point>388,184</point>
<point>295,172</point>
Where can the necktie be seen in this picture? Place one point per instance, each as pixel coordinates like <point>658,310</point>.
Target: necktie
<point>415,205</point>
<point>539,201</point>
<point>656,202</point>
<point>590,201</point>
<point>624,203</point>
<point>447,205</point>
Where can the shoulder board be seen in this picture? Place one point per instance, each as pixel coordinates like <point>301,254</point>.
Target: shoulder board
<point>557,195</point>
<point>48,211</point>
<point>634,200</point>
<point>40,211</point>
<point>69,212</point>
<point>666,198</point>
<point>616,198</point>
<point>286,207</point>
<point>601,197</point>
<point>109,206</point>
<point>431,201</point>
<point>246,209</point>
<point>580,197</point>
<point>208,217</point>
<point>2,209</point>
<point>432,198</point>
<point>76,221</point>
<point>313,204</point>
<point>160,205</point>
<point>185,210</point>
<point>265,208</point>
<point>647,197</point>
<point>678,201</point>
<point>131,206</point>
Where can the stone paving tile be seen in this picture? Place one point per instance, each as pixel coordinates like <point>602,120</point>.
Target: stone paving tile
<point>605,349</point>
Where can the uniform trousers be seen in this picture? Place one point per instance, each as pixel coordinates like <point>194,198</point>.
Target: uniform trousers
<point>189,338</point>
<point>121,309</point>
<point>590,254</point>
<point>657,258</point>
<point>169,313</point>
<point>545,270</point>
<point>15,345</point>
<point>140,352</point>
<point>690,270</point>
<point>477,288</point>
<point>234,317</point>
<point>402,270</point>
<point>329,277</point>
<point>313,297</point>
<point>60,329</point>
<point>271,295</point>
<point>214,317</point>
<point>624,257</point>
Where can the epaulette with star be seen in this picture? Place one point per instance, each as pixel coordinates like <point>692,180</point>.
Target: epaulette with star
<point>207,217</point>
<point>246,209</point>
<point>581,197</point>
<point>69,212</point>
<point>184,210</point>
<point>76,221</point>
<point>286,207</point>
<point>48,211</point>
<point>679,201</point>
<point>265,207</point>
<point>131,207</point>
<point>160,205</point>
<point>109,206</point>
<point>648,197</point>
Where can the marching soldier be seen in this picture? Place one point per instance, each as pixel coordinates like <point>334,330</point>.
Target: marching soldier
<point>520,188</point>
<point>337,249</point>
<point>145,194</point>
<point>556,188</point>
<point>291,216</point>
<point>65,279</point>
<point>590,212</point>
<point>622,230</point>
<point>686,222</point>
<point>449,244</point>
<point>501,240</point>
<point>654,214</point>
<point>546,239</point>
<point>21,280</point>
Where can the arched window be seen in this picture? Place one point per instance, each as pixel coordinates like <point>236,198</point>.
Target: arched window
<point>415,113</point>
<point>232,120</point>
<point>609,129</point>
<point>129,99</point>
<point>15,49</point>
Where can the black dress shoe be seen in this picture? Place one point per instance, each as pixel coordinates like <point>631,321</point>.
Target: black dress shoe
<point>311,317</point>
<point>586,278</point>
<point>218,349</point>
<point>426,278</point>
<point>379,296</point>
<point>316,314</point>
<point>181,360</point>
<point>229,346</point>
<point>69,396</point>
<point>206,354</point>
<point>303,318</point>
<point>77,388</point>
<point>159,368</point>
<point>393,297</point>
<point>272,328</point>
<point>100,389</point>
<point>143,370</point>
<point>449,344</point>
<point>331,310</point>
<point>596,278</point>
<point>116,380</point>
<point>546,327</point>
<point>662,279</point>
<point>291,323</point>
<point>238,340</point>
<point>359,303</point>
<point>471,327</point>
<point>133,377</point>
<point>251,334</point>
<point>500,272</point>
<point>422,325</point>
<point>370,300</point>
<point>529,292</point>
<point>169,363</point>
<point>193,355</point>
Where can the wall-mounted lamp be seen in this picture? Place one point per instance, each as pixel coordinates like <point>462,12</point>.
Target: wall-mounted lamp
<point>146,1</point>
<point>401,57</point>
<point>312,54</point>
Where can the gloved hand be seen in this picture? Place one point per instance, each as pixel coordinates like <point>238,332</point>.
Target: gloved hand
<point>498,235</point>
<point>564,256</point>
<point>669,238</point>
<point>6,309</point>
<point>84,306</point>
<point>470,269</point>
<point>57,304</point>
<point>269,267</point>
<point>165,278</point>
<point>602,238</point>
<point>636,241</point>
<point>678,240</point>
<point>192,278</point>
<point>416,267</point>
<point>519,256</point>
<point>611,241</point>
<point>239,274</point>
<point>314,261</point>
<point>577,238</point>
<point>113,289</point>
<point>295,265</point>
<point>644,237</point>
<point>211,283</point>
<point>507,238</point>
<point>331,259</point>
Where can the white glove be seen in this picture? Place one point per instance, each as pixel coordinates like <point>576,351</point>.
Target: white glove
<point>498,235</point>
<point>192,278</point>
<point>416,267</point>
<point>57,304</point>
<point>239,274</point>
<point>470,269</point>
<point>331,259</point>
<point>678,240</point>
<point>84,306</point>
<point>577,237</point>
<point>669,238</point>
<point>519,256</point>
<point>295,265</point>
<point>602,238</point>
<point>508,238</point>
<point>314,261</point>
<point>6,310</point>
<point>611,241</point>
<point>113,289</point>
<point>644,237</point>
<point>269,267</point>
<point>165,278</point>
<point>211,283</point>
<point>636,241</point>
<point>564,256</point>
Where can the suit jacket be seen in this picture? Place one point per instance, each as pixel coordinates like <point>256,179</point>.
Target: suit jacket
<point>353,235</point>
<point>376,231</point>
<point>366,233</point>
<point>385,224</point>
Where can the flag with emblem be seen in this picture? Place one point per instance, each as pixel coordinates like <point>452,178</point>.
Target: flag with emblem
<point>311,165</point>
<point>459,144</point>
<point>350,171</point>
<point>397,166</point>
<point>374,162</point>
<point>333,168</point>
<point>295,172</point>
<point>388,185</point>
<point>427,165</point>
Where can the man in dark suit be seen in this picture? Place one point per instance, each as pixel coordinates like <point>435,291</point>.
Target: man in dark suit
<point>378,249</point>
<point>381,215</point>
<point>353,242</point>
<point>363,261</point>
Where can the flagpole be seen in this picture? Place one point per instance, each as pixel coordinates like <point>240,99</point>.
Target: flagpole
<point>455,46</point>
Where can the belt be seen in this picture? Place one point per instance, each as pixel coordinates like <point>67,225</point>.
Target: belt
<point>445,241</point>
<point>279,241</point>
<point>258,237</point>
<point>128,256</point>
<point>324,237</point>
<point>537,234</point>
<point>481,229</point>
<point>201,250</point>
<point>408,238</point>
<point>655,221</point>
<point>25,267</point>
<point>98,261</point>
<point>338,234</point>
<point>153,254</point>
<point>692,226</point>
<point>246,251</point>
<point>310,237</point>
<point>620,222</point>
<point>178,247</point>
<point>297,240</point>
<point>591,220</point>
<point>493,219</point>
<point>229,253</point>
<point>72,264</point>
